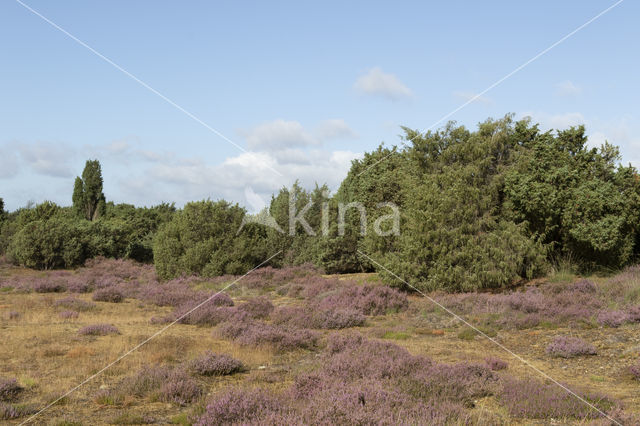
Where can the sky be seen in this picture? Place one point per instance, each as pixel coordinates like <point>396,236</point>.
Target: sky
<point>235,100</point>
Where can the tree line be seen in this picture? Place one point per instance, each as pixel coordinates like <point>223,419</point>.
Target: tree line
<point>481,208</point>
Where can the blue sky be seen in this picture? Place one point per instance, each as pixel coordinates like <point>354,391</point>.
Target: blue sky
<point>301,88</point>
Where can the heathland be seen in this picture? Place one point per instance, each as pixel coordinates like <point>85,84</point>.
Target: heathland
<point>465,277</point>
<point>294,346</point>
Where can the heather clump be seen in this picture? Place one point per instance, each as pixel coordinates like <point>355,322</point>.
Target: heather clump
<point>522,322</point>
<point>9,389</point>
<point>158,383</point>
<point>105,282</point>
<point>207,314</point>
<point>68,315</point>
<point>369,300</point>
<point>584,286</point>
<point>257,307</point>
<point>635,371</point>
<point>337,318</point>
<point>373,402</point>
<point>612,318</point>
<point>633,314</point>
<point>531,399</point>
<point>531,301</point>
<point>556,304</point>
<point>340,342</point>
<point>283,275</point>
<point>78,284</point>
<point>352,358</point>
<point>258,333</point>
<point>74,304</point>
<point>180,389</point>
<point>98,330</point>
<point>313,317</point>
<point>10,411</point>
<point>260,279</point>
<point>172,293</point>
<point>569,347</point>
<point>462,382</point>
<point>121,269</point>
<point>359,381</point>
<point>296,316</point>
<point>495,364</point>
<point>220,299</point>
<point>108,294</point>
<point>204,309</point>
<point>240,406</point>
<point>145,381</point>
<point>314,286</point>
<point>630,274</point>
<point>210,364</point>
<point>48,285</point>
<point>620,416</point>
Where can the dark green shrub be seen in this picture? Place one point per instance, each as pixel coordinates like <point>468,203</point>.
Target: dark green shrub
<point>203,239</point>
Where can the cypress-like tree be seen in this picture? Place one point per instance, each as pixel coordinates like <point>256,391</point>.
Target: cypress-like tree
<point>88,198</point>
<point>78,196</point>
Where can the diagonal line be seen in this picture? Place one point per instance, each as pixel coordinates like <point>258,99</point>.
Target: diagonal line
<point>136,79</point>
<point>518,357</point>
<point>153,336</point>
<point>479,95</point>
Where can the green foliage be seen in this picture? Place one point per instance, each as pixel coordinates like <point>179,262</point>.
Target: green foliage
<point>575,199</point>
<point>298,244</point>
<point>488,208</point>
<point>48,236</point>
<point>128,232</point>
<point>201,239</point>
<point>374,179</point>
<point>88,199</point>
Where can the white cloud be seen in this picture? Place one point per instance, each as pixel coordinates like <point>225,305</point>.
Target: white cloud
<point>279,134</point>
<point>378,82</point>
<point>118,146</point>
<point>568,88</point>
<point>183,180</point>
<point>46,158</point>
<point>557,121</point>
<point>335,128</point>
<point>291,156</point>
<point>8,162</point>
<point>622,132</point>
<point>287,138</point>
<point>569,119</point>
<point>472,97</point>
<point>144,176</point>
<point>597,139</point>
<point>255,201</point>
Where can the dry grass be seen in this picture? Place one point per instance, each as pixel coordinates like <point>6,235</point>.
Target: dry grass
<point>45,352</point>
<point>48,356</point>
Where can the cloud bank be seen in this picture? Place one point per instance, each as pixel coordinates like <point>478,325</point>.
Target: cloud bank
<point>144,176</point>
<point>379,83</point>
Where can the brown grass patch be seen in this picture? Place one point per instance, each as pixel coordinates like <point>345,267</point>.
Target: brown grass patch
<point>81,352</point>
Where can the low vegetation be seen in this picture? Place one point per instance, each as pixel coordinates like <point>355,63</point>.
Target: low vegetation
<point>567,347</point>
<point>291,346</point>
